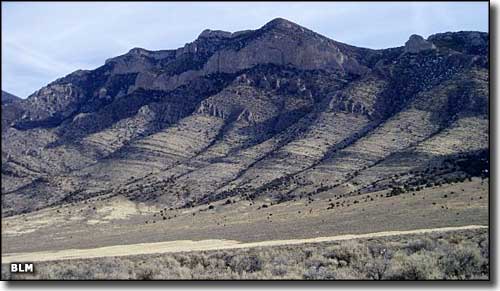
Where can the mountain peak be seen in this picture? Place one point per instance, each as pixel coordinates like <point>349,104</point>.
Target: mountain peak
<point>138,51</point>
<point>208,33</point>
<point>281,23</point>
<point>276,23</point>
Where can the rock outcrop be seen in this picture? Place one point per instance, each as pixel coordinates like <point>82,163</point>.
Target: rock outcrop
<point>417,44</point>
<point>278,112</point>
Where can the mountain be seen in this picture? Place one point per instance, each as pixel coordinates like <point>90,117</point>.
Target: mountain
<point>275,113</point>
<point>10,109</point>
<point>9,98</point>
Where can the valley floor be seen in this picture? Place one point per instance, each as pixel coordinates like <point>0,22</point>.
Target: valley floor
<point>120,222</point>
<point>115,232</point>
<point>203,245</point>
<point>438,254</point>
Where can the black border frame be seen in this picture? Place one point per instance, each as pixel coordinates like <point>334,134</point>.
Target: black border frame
<point>317,283</point>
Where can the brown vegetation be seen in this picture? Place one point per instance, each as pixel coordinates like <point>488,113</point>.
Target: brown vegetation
<point>460,255</point>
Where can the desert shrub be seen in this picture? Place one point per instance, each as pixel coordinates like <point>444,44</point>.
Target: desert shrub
<point>279,270</point>
<point>378,262</point>
<point>168,267</point>
<point>248,263</point>
<point>69,271</point>
<point>113,268</point>
<point>183,259</point>
<point>462,262</point>
<point>199,259</point>
<point>396,191</point>
<point>308,252</point>
<point>376,268</point>
<point>350,253</point>
<point>484,245</point>
<point>421,265</point>
<point>420,244</point>
<point>450,255</point>
<point>279,265</point>
<point>317,261</point>
<point>319,273</point>
<point>6,275</point>
<point>146,274</point>
<point>347,273</point>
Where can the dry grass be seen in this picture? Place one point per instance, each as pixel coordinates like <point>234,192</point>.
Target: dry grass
<point>460,255</point>
<point>70,228</point>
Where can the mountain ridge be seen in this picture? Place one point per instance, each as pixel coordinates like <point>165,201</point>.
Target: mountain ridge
<point>8,98</point>
<point>276,113</point>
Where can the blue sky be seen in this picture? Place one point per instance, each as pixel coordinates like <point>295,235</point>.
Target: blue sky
<point>44,41</point>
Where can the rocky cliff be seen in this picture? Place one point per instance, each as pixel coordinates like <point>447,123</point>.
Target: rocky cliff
<point>274,113</point>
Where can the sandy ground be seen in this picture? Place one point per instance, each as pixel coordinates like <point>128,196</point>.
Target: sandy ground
<point>202,245</point>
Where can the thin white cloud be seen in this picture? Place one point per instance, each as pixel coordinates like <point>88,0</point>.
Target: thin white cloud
<point>39,61</point>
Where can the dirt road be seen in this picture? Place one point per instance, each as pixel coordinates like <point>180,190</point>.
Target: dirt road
<point>203,245</point>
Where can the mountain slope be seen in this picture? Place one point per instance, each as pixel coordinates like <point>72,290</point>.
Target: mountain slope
<point>9,98</point>
<point>277,113</point>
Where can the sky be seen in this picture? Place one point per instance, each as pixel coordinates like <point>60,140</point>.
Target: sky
<point>44,41</point>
